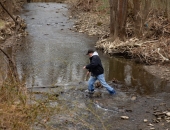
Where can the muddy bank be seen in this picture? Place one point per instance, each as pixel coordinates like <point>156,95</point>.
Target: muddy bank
<point>75,109</point>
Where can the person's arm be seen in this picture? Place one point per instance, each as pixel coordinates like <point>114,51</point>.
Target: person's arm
<point>93,63</point>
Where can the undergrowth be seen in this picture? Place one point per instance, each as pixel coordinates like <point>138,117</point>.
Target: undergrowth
<point>101,6</point>
<point>17,112</point>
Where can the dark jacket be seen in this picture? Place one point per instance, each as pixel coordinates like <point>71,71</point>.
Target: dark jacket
<point>95,66</point>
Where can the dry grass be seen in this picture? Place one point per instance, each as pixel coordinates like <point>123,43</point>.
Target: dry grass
<point>16,113</point>
<point>101,6</point>
<point>2,23</point>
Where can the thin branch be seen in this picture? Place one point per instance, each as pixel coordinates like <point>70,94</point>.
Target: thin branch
<point>6,55</point>
<point>8,13</point>
<point>13,67</point>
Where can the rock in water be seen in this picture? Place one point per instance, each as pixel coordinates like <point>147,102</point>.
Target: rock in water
<point>133,98</point>
<point>125,117</point>
<point>145,120</point>
<point>168,114</point>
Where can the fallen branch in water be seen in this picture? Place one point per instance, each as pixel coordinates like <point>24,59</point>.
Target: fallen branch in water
<point>164,58</point>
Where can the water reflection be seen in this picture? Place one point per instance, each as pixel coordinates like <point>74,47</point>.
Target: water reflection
<point>127,74</point>
<point>133,76</point>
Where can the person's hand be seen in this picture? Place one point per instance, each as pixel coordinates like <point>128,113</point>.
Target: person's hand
<point>87,73</point>
<point>84,67</point>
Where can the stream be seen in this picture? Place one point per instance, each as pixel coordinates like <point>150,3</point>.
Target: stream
<point>53,54</point>
<point>51,60</point>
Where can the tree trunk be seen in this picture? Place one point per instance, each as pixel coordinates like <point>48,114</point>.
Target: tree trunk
<point>141,11</point>
<point>122,17</point>
<point>137,18</point>
<point>118,17</point>
<point>146,9</point>
<point>113,5</point>
<point>168,9</point>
